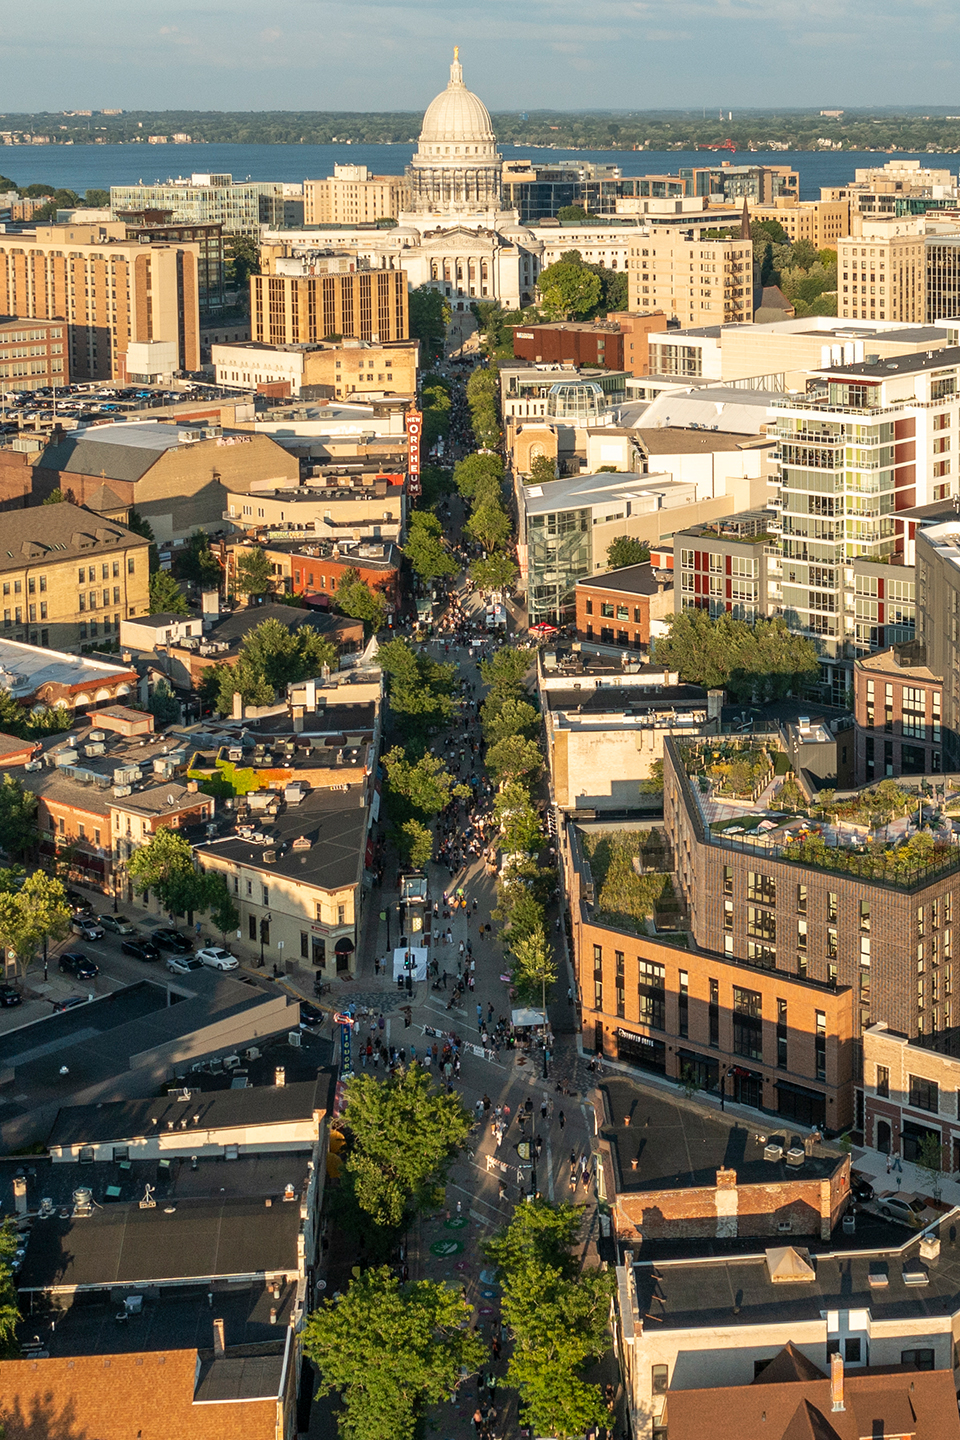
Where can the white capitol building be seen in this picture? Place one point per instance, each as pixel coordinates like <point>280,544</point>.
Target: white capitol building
<point>455,236</point>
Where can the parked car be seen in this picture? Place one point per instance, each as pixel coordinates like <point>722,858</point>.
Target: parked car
<point>78,901</point>
<point>74,962</point>
<point>172,940</point>
<point>309,1014</point>
<point>10,995</point>
<point>860,1187</point>
<point>86,928</point>
<point>117,924</point>
<point>69,1004</point>
<point>140,949</point>
<point>217,958</point>
<point>908,1207</point>
<point>183,964</point>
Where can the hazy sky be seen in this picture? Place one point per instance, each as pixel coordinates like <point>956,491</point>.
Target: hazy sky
<point>558,54</point>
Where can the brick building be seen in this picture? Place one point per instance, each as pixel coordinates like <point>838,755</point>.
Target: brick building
<point>627,600</point>
<point>770,1039</point>
<point>910,1094</point>
<point>33,354</point>
<point>353,369</point>
<point>683,1170</point>
<point>888,940</point>
<point>619,343</point>
<point>898,709</point>
<point>316,567</point>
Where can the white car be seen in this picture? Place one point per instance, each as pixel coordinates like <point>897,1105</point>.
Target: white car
<point>216,958</point>
<point>183,964</point>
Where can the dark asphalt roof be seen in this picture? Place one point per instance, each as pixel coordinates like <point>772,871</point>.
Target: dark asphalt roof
<point>174,1318</point>
<point>897,365</point>
<point>605,699</point>
<point>123,1120</point>
<point>331,720</point>
<point>739,1291</point>
<point>630,579</point>
<point>234,627</point>
<point>335,823</point>
<point>240,1377</point>
<point>124,1245</point>
<point>678,1143</point>
<point>77,455</point>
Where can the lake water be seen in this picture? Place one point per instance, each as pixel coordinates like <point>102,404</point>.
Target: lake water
<point>86,167</point>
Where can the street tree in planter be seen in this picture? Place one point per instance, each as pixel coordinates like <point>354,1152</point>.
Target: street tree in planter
<point>416,844</point>
<point>389,1350</point>
<point>355,598</point>
<point>425,548</point>
<point>221,907</point>
<point>426,784</point>
<point>514,758</point>
<point>18,818</point>
<point>496,571</point>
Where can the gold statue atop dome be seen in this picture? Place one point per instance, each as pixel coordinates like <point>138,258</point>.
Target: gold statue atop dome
<point>456,53</point>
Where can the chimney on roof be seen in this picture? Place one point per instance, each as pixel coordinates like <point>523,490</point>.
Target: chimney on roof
<point>836,1381</point>
<point>237,705</point>
<point>219,1344</point>
<point>20,1194</point>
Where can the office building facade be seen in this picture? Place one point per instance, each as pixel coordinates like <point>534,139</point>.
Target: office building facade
<point>241,207</point>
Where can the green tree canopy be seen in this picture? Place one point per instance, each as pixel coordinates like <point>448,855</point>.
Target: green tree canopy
<point>163,705</point>
<point>535,968</point>
<point>426,784</point>
<point>508,717</point>
<point>10,1241</point>
<point>514,758</point>
<point>166,597</point>
<point>416,844</point>
<point>243,252</point>
<point>543,470</point>
<point>425,548</point>
<point>521,832</point>
<point>624,550</point>
<point>476,469</point>
<point>254,573</point>
<point>166,866</point>
<point>355,598</point>
<point>496,571</point>
<point>390,1350</point>
<point>557,1315</point>
<point>568,290</point>
<point>764,661</point>
<point>490,525</point>
<point>272,656</point>
<point>197,562</point>
<point>18,818</point>
<point>404,1137</point>
<point>221,907</point>
<point>429,313</point>
<point>436,404</point>
<point>34,912</point>
<point>418,689</point>
<point>506,670</point>
<point>574,212</point>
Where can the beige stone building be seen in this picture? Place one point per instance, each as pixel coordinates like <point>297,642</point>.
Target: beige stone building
<point>111,292</point>
<point>173,475</point>
<point>698,282</point>
<point>302,308</point>
<point>355,368</point>
<point>882,279</point>
<point>68,576</point>
<point>352,196</point>
<point>822,222</point>
<point>355,507</point>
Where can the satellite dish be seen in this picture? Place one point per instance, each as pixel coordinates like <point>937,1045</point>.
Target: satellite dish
<point>170,800</point>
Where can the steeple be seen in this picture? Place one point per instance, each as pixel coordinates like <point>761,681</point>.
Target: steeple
<point>745,221</point>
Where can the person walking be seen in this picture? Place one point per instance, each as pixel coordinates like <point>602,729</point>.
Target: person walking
<point>562,1118</point>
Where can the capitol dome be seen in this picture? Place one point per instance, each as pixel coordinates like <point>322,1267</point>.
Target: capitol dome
<point>457,117</point>
<point>456,170</point>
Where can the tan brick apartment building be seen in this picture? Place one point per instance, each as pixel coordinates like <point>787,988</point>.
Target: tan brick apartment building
<point>68,576</point>
<point>889,941</point>
<point>300,309</point>
<point>882,279</point>
<point>370,504</point>
<point>350,370</point>
<point>109,290</point>
<point>698,282</point>
<point>822,222</point>
<point>778,1041</point>
<point>352,196</point>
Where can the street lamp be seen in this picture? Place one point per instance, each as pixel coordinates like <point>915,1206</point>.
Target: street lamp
<point>723,1085</point>
<point>543,979</point>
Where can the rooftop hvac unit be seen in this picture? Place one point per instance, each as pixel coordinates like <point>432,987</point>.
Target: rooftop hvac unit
<point>773,1152</point>
<point>796,1155</point>
<point>121,790</point>
<point>293,1038</point>
<point>97,735</point>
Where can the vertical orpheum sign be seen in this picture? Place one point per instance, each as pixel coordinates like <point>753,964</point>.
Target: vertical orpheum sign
<point>414,433</point>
